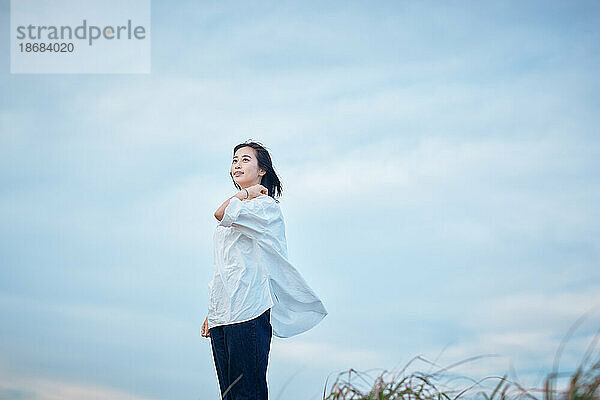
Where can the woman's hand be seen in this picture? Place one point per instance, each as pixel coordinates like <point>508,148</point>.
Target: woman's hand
<point>255,191</point>
<point>205,330</point>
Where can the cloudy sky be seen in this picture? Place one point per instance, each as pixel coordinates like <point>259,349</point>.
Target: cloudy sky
<point>441,172</point>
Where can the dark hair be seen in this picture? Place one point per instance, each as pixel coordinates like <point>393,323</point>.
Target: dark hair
<point>270,180</point>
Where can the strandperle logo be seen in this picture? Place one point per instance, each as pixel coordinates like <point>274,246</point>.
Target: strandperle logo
<point>80,36</point>
<point>81,32</point>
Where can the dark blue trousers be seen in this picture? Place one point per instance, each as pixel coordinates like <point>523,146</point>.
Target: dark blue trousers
<point>241,351</point>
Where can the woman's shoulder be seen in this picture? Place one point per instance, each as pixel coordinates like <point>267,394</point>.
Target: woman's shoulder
<point>266,199</point>
<point>268,203</point>
<point>262,202</point>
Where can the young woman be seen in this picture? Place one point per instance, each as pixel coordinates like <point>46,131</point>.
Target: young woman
<point>255,292</point>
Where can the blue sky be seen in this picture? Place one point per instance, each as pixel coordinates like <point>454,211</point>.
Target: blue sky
<point>441,177</point>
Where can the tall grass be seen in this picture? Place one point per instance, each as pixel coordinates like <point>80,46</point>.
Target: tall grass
<point>583,384</point>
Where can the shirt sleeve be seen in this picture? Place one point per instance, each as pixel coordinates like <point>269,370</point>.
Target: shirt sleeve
<point>252,218</point>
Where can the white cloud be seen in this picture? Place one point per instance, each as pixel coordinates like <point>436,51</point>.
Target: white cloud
<point>551,311</point>
<point>323,354</point>
<point>55,389</point>
<point>485,172</point>
<point>524,330</point>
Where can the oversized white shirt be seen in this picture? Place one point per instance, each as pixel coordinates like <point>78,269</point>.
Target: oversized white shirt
<point>252,273</point>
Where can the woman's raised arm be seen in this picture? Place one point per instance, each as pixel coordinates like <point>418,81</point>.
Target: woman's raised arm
<point>221,210</point>
<point>253,191</point>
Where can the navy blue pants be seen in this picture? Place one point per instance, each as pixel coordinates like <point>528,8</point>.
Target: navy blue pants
<point>241,350</point>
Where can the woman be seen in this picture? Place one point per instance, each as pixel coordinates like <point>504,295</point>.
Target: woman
<point>255,292</point>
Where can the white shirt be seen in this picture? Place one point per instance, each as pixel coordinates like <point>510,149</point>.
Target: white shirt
<point>252,273</point>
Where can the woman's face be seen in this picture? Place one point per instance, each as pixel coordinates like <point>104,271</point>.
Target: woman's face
<point>244,168</point>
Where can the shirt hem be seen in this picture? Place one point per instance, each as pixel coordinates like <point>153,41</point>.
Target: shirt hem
<point>246,320</point>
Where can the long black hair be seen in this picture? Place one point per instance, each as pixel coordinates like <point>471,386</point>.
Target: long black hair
<point>270,180</point>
